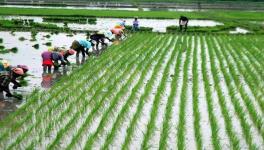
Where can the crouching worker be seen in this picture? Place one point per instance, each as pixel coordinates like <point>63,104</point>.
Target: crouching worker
<point>58,60</point>
<point>25,70</point>
<point>118,32</point>
<point>98,38</point>
<point>183,23</point>
<point>7,78</point>
<point>81,46</point>
<point>47,61</point>
<point>66,54</point>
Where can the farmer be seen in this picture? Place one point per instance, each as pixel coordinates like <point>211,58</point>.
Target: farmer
<point>98,38</point>
<point>25,69</point>
<point>118,32</point>
<point>80,46</point>
<point>7,78</point>
<point>66,54</point>
<point>183,23</point>
<point>135,25</point>
<point>57,57</point>
<point>46,61</point>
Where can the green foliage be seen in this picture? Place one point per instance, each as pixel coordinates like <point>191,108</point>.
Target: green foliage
<point>118,97</point>
<point>73,13</point>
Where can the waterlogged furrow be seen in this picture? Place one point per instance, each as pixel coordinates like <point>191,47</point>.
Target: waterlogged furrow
<point>253,85</point>
<point>153,91</point>
<point>251,107</point>
<point>145,110</point>
<point>181,127</point>
<point>235,99</point>
<point>124,115</point>
<point>37,111</point>
<point>121,93</point>
<point>175,95</point>
<point>209,99</point>
<point>231,121</point>
<point>202,105</point>
<point>112,128</point>
<point>223,137</point>
<point>111,80</point>
<point>169,72</point>
<point>195,97</point>
<point>51,114</point>
<point>163,143</point>
<point>131,130</point>
<point>45,97</point>
<point>190,133</point>
<point>157,102</point>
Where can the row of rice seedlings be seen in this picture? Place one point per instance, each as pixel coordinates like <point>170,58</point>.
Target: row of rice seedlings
<point>256,118</point>
<point>158,97</point>
<point>147,89</point>
<point>97,108</point>
<point>26,108</point>
<point>256,49</point>
<point>100,128</point>
<point>235,101</point>
<point>72,84</point>
<point>5,130</point>
<point>60,116</point>
<point>208,92</point>
<point>174,83</point>
<point>94,87</point>
<point>222,100</point>
<point>251,76</point>
<point>249,59</point>
<point>181,128</point>
<point>116,80</point>
<point>195,97</point>
<point>123,112</point>
<point>155,124</point>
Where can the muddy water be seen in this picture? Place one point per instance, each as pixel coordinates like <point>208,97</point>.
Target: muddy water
<point>31,57</point>
<point>158,25</point>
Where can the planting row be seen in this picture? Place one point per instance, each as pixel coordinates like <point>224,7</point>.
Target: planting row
<point>158,91</point>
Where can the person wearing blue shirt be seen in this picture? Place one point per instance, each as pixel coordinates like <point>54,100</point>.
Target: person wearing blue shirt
<point>82,46</point>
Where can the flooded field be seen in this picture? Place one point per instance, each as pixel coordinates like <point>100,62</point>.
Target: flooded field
<point>158,91</point>
<point>158,25</point>
<point>30,56</point>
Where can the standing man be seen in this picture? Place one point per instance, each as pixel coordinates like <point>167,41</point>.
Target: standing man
<point>183,23</point>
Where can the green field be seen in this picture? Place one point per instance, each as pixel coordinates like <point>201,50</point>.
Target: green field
<point>152,91</point>
<point>211,14</point>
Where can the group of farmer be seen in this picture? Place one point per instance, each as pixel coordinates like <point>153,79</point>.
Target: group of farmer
<point>57,57</point>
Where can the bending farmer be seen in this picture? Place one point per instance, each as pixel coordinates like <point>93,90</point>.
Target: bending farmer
<point>183,23</point>
<point>81,46</point>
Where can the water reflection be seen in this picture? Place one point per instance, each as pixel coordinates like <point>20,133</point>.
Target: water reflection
<point>8,105</point>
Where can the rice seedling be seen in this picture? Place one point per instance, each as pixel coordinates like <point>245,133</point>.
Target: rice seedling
<point>22,38</point>
<point>48,44</point>
<point>36,46</point>
<point>125,99</point>
<point>13,50</point>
